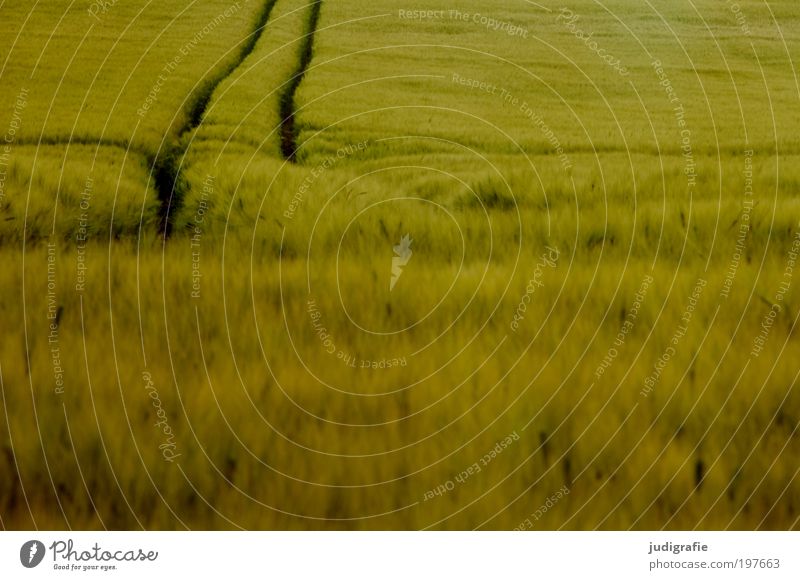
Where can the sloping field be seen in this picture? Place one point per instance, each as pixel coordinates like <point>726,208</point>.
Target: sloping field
<point>349,265</point>
<point>106,91</point>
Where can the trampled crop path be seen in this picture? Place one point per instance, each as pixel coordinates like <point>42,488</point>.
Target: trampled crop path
<point>167,166</point>
<point>287,101</point>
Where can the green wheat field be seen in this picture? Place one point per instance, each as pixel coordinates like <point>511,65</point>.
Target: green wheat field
<point>280,264</point>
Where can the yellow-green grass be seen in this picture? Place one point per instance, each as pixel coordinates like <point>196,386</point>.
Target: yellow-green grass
<point>275,431</point>
<point>244,113</point>
<point>126,77</point>
<point>630,205</point>
<point>388,76</point>
<point>89,76</point>
<point>246,414</point>
<point>74,193</point>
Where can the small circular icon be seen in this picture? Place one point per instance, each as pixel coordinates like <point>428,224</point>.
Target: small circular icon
<point>32,553</point>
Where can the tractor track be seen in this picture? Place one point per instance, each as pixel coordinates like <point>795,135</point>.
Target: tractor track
<point>288,106</point>
<point>168,180</point>
<point>166,166</point>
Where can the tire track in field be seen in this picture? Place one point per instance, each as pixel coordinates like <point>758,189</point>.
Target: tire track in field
<point>168,180</point>
<point>288,108</point>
